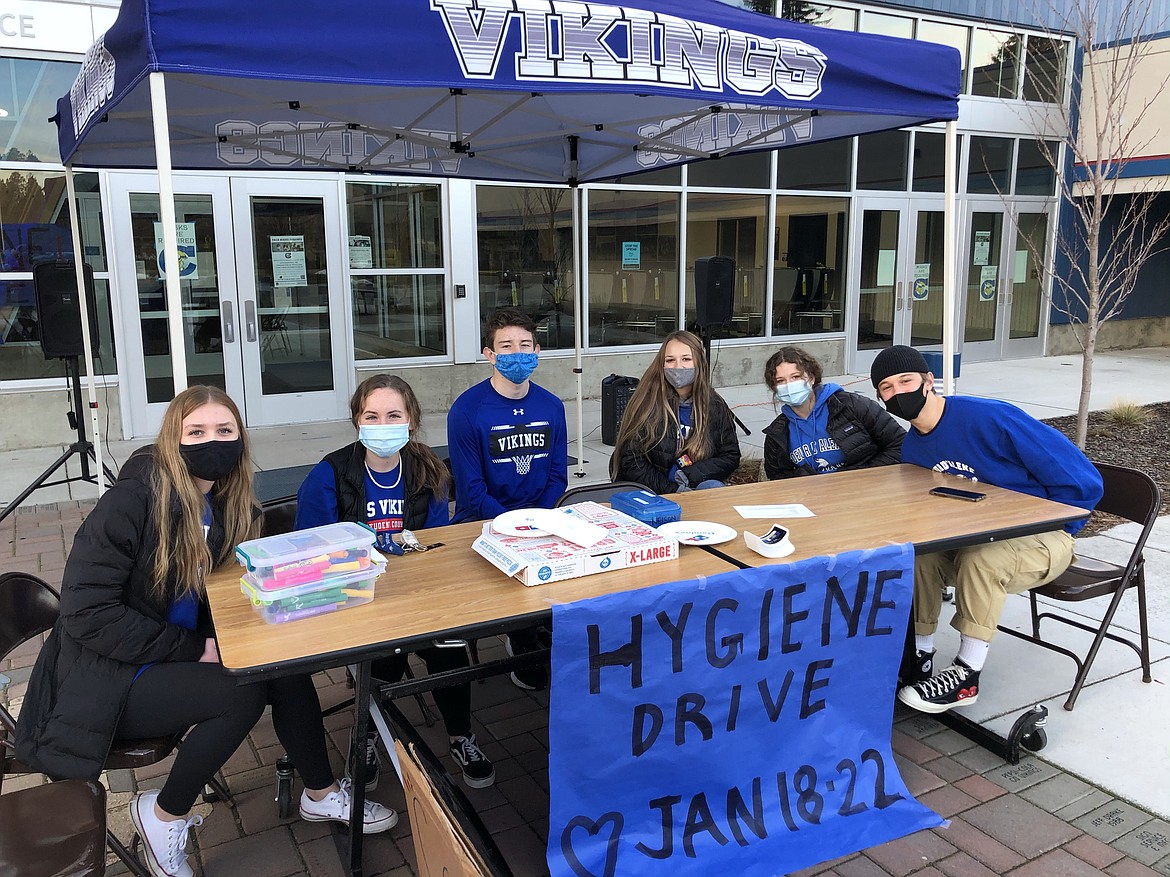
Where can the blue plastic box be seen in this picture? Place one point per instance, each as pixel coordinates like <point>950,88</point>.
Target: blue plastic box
<point>934,359</point>
<point>647,507</point>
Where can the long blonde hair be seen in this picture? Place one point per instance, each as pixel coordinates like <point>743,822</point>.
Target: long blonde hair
<point>652,412</point>
<point>428,470</point>
<point>183,555</point>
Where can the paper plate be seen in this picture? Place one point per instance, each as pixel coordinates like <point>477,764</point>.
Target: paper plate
<point>698,532</point>
<point>519,522</point>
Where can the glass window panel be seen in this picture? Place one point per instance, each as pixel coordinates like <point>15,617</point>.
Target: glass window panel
<point>929,160</point>
<point>525,241</point>
<point>989,166</point>
<point>878,295</point>
<point>1028,275</point>
<point>632,276</point>
<point>748,171</point>
<point>819,166</point>
<point>1044,66</point>
<point>994,59</point>
<point>403,222</point>
<point>1034,174</point>
<point>887,25</point>
<point>767,7</point>
<point>21,357</point>
<point>28,96</point>
<point>954,35</point>
<point>399,315</point>
<point>808,265</point>
<point>984,268</point>
<point>663,176</point>
<point>881,160</point>
<point>822,14</point>
<point>732,226</point>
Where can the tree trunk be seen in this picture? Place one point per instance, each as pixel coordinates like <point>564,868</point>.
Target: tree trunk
<point>1086,385</point>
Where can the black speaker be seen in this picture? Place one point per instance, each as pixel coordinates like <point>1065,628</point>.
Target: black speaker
<point>59,308</point>
<point>714,285</point>
<point>616,391</point>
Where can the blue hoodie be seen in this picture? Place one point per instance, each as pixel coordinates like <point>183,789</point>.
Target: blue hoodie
<point>809,442</point>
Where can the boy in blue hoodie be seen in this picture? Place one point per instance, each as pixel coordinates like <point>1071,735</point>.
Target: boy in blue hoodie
<point>996,443</point>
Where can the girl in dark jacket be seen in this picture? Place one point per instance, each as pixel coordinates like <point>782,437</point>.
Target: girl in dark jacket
<point>822,427</point>
<point>133,653</point>
<point>391,481</point>
<point>677,433</point>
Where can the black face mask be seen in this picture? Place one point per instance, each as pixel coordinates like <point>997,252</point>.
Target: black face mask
<point>212,460</point>
<point>907,405</point>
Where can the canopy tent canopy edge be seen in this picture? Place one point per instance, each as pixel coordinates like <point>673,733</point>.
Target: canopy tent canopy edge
<point>568,93</point>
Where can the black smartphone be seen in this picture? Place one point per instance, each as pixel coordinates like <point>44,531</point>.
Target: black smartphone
<point>955,493</point>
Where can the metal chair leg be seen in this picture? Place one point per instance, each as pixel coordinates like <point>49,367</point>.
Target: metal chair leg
<point>128,859</point>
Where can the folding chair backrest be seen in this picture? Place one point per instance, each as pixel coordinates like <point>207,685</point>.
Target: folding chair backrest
<point>596,492</point>
<point>28,607</point>
<point>279,516</point>
<point>1130,494</point>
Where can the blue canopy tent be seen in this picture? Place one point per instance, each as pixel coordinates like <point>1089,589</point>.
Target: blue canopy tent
<point>567,92</point>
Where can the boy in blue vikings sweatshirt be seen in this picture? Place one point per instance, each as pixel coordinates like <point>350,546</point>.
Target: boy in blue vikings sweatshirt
<point>995,443</point>
<point>508,443</point>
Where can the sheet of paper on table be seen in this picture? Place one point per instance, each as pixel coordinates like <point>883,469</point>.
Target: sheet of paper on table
<point>782,510</point>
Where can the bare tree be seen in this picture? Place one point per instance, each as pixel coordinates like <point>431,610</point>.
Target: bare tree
<point>1117,105</point>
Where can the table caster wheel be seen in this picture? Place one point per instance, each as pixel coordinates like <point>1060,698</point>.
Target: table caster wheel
<point>1034,741</point>
<point>1028,733</point>
<point>284,787</point>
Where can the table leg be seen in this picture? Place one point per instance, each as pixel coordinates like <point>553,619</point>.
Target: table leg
<point>357,749</point>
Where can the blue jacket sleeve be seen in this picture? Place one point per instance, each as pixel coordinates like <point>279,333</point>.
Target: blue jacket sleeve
<point>437,515</point>
<point>317,498</point>
<point>558,473</point>
<point>472,501</point>
<point>1066,473</point>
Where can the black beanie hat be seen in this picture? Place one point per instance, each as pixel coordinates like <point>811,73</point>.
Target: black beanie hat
<point>896,360</point>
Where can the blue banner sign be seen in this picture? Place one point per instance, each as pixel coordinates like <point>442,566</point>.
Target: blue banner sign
<point>737,724</point>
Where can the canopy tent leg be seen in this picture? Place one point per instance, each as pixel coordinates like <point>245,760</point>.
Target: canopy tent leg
<point>86,340</point>
<point>166,210</point>
<point>578,330</point>
<point>950,266</point>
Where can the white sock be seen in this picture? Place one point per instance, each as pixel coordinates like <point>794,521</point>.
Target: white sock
<point>973,652</point>
<point>924,643</point>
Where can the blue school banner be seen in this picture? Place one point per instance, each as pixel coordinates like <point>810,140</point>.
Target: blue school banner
<point>737,724</point>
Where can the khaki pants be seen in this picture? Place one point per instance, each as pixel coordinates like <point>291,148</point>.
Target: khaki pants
<point>983,576</point>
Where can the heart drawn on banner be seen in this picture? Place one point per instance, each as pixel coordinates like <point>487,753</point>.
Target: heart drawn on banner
<point>594,828</point>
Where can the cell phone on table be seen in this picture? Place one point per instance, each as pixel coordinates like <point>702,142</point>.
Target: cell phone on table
<point>956,493</point>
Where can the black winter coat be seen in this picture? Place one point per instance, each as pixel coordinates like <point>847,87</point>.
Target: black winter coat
<point>862,429</point>
<point>109,626</point>
<point>653,467</point>
<point>349,475</point>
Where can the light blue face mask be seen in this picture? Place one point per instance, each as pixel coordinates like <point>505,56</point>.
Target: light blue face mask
<point>516,367</point>
<point>384,439</point>
<point>794,393</point>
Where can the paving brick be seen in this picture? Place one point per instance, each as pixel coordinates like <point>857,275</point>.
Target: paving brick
<point>962,865</point>
<point>918,779</point>
<point>1163,867</point>
<point>1056,863</point>
<point>1029,772</point>
<point>1020,825</point>
<point>1148,844</point>
<point>911,853</point>
<point>1091,801</point>
<point>268,854</point>
<point>948,801</point>
<point>860,867</point>
<point>915,750</point>
<point>321,859</point>
<point>947,769</point>
<point>1129,868</point>
<point>976,843</point>
<point>1112,820</point>
<point>978,759</point>
<point>980,788</point>
<point>914,723</point>
<point>822,868</point>
<point>1092,851</point>
<point>1057,792</point>
<point>219,826</point>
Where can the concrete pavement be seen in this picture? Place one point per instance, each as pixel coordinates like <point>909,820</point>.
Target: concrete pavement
<point>1096,800</point>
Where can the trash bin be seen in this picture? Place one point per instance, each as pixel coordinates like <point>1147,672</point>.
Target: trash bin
<point>934,359</point>
<point>616,391</point>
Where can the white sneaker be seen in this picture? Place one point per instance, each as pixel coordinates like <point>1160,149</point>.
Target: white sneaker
<point>335,807</point>
<point>165,842</point>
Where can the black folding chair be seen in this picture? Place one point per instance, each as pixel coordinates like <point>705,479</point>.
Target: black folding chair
<point>596,492</point>
<point>1132,495</point>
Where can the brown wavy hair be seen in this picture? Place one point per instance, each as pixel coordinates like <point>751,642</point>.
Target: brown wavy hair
<point>798,357</point>
<point>183,556</point>
<point>428,470</point>
<point>652,412</point>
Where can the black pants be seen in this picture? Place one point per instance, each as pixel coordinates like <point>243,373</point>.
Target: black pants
<point>453,701</point>
<point>171,697</point>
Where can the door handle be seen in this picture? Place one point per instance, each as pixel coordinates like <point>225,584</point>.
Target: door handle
<point>250,321</point>
<point>227,320</point>
<point>898,296</point>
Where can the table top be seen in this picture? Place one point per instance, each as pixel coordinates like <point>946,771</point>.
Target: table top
<point>451,591</point>
<point>869,508</point>
<point>438,594</point>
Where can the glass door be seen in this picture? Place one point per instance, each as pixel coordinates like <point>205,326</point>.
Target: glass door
<point>267,330</point>
<point>984,308</point>
<point>897,280</point>
<point>1027,290</point>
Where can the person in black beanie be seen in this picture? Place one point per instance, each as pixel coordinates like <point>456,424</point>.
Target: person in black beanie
<point>995,443</point>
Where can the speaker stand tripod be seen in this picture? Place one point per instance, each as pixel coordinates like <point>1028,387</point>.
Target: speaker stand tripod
<point>83,448</point>
<point>705,334</point>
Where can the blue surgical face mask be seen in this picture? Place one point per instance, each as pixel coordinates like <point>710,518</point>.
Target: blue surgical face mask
<point>384,439</point>
<point>516,367</point>
<point>794,393</point>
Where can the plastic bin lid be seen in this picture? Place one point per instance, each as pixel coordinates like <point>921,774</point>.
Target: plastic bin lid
<point>291,547</point>
<point>643,499</point>
<point>260,595</point>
